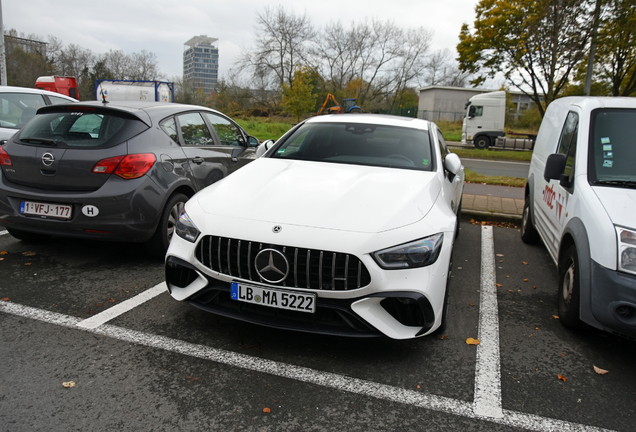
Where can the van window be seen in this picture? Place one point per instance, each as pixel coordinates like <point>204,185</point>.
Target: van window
<point>612,152</point>
<point>567,142</point>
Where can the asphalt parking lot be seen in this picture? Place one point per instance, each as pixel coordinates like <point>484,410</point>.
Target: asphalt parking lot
<point>97,315</point>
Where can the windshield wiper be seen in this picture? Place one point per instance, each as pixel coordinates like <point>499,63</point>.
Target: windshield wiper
<point>43,141</point>
<point>619,183</point>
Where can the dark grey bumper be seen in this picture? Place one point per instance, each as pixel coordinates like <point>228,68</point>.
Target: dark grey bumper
<point>614,300</point>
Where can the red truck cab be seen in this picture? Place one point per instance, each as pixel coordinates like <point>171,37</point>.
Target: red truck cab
<point>63,85</point>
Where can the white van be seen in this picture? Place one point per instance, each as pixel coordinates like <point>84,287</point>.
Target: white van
<point>581,201</point>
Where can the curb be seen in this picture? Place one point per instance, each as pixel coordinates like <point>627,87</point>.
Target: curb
<point>468,214</point>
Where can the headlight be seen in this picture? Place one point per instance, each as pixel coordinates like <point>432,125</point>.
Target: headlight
<point>186,229</point>
<point>626,250</point>
<point>419,253</point>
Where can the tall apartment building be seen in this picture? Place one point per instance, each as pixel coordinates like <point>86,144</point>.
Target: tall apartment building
<point>201,63</point>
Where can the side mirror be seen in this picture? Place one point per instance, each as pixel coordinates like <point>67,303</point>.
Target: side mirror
<point>252,142</point>
<point>452,163</point>
<point>554,167</point>
<point>265,145</point>
<point>3,142</point>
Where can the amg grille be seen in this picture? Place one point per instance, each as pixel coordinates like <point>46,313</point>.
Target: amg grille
<point>308,268</point>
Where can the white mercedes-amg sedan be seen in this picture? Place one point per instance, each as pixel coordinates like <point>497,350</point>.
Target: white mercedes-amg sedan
<point>344,226</point>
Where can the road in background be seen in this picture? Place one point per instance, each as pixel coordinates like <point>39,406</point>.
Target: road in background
<point>497,168</point>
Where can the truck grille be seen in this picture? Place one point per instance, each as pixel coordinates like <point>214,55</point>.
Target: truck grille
<point>308,268</point>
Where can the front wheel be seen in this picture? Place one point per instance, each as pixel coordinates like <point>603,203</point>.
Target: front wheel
<point>161,239</point>
<point>569,294</point>
<point>482,142</point>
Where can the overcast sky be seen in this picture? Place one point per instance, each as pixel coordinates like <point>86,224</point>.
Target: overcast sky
<point>163,26</point>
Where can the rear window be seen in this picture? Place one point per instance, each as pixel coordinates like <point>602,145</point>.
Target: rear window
<point>359,144</point>
<point>16,109</point>
<point>80,129</point>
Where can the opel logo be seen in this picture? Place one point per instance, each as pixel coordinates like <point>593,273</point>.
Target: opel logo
<point>277,229</point>
<point>271,265</point>
<point>48,159</point>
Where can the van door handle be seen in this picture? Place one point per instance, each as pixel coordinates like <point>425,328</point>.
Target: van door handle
<point>197,160</point>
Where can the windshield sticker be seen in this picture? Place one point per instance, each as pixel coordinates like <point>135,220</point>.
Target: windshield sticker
<point>605,140</point>
<point>281,151</point>
<point>607,163</point>
<point>425,162</point>
<point>607,147</point>
<point>609,155</point>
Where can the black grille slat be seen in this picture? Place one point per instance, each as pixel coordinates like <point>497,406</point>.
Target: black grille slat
<point>309,268</point>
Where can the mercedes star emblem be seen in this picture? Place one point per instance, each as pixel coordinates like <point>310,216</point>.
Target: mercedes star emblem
<point>271,265</point>
<point>277,229</point>
<point>48,159</point>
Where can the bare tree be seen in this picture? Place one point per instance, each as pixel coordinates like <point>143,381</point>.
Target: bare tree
<point>281,42</point>
<point>441,69</point>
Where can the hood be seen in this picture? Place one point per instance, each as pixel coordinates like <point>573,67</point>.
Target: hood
<point>323,195</point>
<point>620,204</point>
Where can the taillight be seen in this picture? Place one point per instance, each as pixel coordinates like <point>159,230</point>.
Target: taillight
<point>5,159</point>
<point>127,167</point>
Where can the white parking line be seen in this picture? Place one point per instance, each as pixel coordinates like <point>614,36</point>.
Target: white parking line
<point>487,370</point>
<point>123,307</point>
<point>303,374</point>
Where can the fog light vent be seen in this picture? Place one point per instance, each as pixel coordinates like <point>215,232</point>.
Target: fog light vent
<point>405,310</point>
<point>178,275</point>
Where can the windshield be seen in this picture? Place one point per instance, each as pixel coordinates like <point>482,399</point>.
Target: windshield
<point>80,129</point>
<point>612,158</point>
<point>359,144</point>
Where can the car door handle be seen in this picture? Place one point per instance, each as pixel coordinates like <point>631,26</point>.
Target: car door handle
<point>197,160</point>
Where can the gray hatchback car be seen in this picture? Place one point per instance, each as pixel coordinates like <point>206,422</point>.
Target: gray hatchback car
<point>114,171</point>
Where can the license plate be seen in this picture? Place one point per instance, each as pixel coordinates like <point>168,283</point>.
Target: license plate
<point>59,211</point>
<point>274,298</point>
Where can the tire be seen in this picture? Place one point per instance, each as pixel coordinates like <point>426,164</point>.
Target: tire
<point>569,294</point>
<point>355,111</point>
<point>161,239</point>
<point>529,233</point>
<point>27,236</point>
<point>482,142</point>
<point>443,325</point>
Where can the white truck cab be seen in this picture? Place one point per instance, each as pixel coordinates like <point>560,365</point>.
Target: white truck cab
<point>580,201</point>
<point>484,119</point>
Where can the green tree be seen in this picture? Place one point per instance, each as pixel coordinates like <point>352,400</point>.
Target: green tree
<point>536,44</point>
<point>616,51</point>
<point>297,99</point>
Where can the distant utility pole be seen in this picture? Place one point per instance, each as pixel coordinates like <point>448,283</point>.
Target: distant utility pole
<point>590,61</point>
<point>3,58</point>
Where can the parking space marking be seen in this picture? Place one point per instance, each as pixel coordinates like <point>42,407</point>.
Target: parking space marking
<point>304,374</point>
<point>4,232</point>
<point>123,307</point>
<point>488,368</point>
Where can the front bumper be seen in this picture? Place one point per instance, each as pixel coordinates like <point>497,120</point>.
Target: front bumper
<point>400,304</point>
<point>613,300</point>
<point>128,210</point>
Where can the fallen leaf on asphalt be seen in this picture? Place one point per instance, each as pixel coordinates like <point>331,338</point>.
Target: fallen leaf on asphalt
<point>555,316</point>
<point>68,384</point>
<point>1,259</point>
<point>4,253</point>
<point>111,300</point>
<point>501,261</point>
<point>562,378</point>
<point>507,276</point>
<point>525,280</point>
<point>27,263</point>
<point>500,255</point>
<point>472,304</point>
<point>459,268</point>
<point>266,410</point>
<point>499,285</point>
<point>518,290</point>
<point>5,299</point>
<point>418,386</point>
<point>443,337</point>
<point>524,263</point>
<point>471,341</point>
<point>29,253</point>
<point>534,286</point>
<point>510,291</point>
<point>600,371</point>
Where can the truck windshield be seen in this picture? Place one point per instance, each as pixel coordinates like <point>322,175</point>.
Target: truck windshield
<point>612,157</point>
